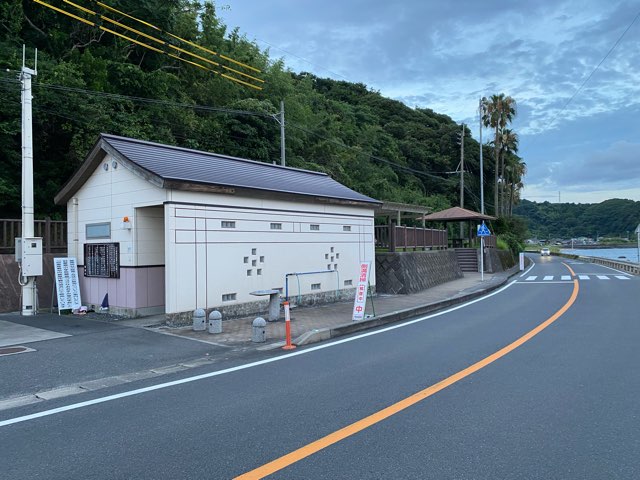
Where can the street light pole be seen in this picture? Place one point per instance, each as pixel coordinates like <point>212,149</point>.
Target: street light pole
<point>462,180</point>
<point>282,143</point>
<point>481,164</point>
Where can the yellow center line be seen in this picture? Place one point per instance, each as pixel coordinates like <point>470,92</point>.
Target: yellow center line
<point>338,435</point>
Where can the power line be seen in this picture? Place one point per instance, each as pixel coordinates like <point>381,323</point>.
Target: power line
<point>597,67</point>
<point>119,97</point>
<point>165,45</point>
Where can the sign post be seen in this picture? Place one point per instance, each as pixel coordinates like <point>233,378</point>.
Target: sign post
<point>483,231</point>
<point>287,318</point>
<point>360,301</point>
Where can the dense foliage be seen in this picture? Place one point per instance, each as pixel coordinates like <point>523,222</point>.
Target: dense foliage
<point>611,218</point>
<point>90,82</point>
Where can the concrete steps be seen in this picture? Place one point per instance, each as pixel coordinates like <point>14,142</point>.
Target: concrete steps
<point>467,259</point>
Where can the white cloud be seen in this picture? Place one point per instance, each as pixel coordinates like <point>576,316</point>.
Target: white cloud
<point>444,55</point>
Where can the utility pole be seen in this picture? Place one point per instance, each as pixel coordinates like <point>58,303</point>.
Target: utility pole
<point>28,249</point>
<point>282,142</point>
<point>481,165</point>
<point>462,179</point>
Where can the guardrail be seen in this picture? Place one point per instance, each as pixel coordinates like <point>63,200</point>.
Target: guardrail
<point>632,268</point>
<point>53,233</point>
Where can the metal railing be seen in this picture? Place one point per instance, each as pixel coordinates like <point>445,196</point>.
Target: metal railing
<point>53,233</point>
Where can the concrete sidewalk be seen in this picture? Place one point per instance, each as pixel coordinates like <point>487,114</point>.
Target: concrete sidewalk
<point>317,323</point>
<point>69,355</point>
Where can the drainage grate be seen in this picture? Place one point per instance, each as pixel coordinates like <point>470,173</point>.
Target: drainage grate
<point>14,350</point>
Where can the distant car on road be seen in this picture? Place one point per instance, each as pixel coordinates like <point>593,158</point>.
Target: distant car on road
<point>545,251</point>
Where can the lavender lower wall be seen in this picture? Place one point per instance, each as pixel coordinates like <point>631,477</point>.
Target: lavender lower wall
<point>139,291</point>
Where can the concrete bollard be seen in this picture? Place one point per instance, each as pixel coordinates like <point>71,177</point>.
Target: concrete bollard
<point>259,330</point>
<point>215,322</point>
<point>199,320</point>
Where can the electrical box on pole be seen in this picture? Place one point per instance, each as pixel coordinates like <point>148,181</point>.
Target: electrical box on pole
<point>29,255</point>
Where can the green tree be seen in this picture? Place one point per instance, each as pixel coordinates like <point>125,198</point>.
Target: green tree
<point>498,111</point>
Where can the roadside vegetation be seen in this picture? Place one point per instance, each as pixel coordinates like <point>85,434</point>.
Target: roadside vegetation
<point>616,219</point>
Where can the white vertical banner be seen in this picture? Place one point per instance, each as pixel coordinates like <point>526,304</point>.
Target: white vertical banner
<point>67,284</point>
<point>521,261</point>
<point>361,292</point>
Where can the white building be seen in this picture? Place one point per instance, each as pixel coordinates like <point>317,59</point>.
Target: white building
<point>168,229</point>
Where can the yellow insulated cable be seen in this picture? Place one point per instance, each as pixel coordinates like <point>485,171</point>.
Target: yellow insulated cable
<point>195,45</point>
<point>142,44</point>
<point>239,63</point>
<point>80,19</point>
<point>193,55</point>
<point>80,7</point>
<point>243,74</point>
<point>104,5</point>
<point>142,34</point>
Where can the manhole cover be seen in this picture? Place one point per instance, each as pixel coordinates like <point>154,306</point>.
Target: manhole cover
<point>13,350</point>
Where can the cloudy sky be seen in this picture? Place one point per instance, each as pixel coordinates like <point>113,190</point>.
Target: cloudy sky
<point>581,143</point>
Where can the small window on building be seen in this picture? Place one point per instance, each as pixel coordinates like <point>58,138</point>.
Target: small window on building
<point>332,258</point>
<point>348,283</point>
<point>335,266</point>
<point>329,267</point>
<point>227,224</point>
<point>314,227</point>
<point>254,263</point>
<point>98,230</point>
<point>246,259</point>
<point>254,251</point>
<point>261,258</point>
<point>315,286</point>
<point>332,249</point>
<point>228,297</point>
<point>276,226</point>
<point>249,272</point>
<point>326,256</point>
<point>346,228</point>
<point>259,271</point>
<point>337,255</point>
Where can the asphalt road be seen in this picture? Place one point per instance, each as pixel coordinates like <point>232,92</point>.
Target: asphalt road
<point>561,404</point>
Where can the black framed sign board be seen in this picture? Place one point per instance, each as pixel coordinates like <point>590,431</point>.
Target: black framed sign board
<point>102,260</point>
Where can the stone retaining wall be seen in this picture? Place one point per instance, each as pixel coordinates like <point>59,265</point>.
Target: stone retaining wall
<point>411,272</point>
<point>498,260</point>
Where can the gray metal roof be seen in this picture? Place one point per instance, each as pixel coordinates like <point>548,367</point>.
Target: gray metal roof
<point>193,166</point>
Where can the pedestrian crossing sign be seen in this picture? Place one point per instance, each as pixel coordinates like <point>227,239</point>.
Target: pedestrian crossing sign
<point>483,230</point>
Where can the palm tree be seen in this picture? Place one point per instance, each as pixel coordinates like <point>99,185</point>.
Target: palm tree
<point>497,112</point>
<point>518,171</point>
<point>508,148</point>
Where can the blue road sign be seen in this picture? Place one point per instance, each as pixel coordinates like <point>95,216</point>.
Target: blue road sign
<point>483,230</point>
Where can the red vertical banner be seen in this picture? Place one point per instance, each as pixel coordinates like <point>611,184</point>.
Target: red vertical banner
<point>361,292</point>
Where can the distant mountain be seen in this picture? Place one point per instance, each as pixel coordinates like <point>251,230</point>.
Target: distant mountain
<point>611,218</point>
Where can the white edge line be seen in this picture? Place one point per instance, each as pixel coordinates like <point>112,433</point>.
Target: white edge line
<point>195,378</point>
<point>533,264</point>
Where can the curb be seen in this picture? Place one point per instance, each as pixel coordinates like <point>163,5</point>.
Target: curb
<point>319,335</point>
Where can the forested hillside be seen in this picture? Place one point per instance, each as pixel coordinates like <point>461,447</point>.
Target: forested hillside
<point>611,218</point>
<point>90,82</point>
